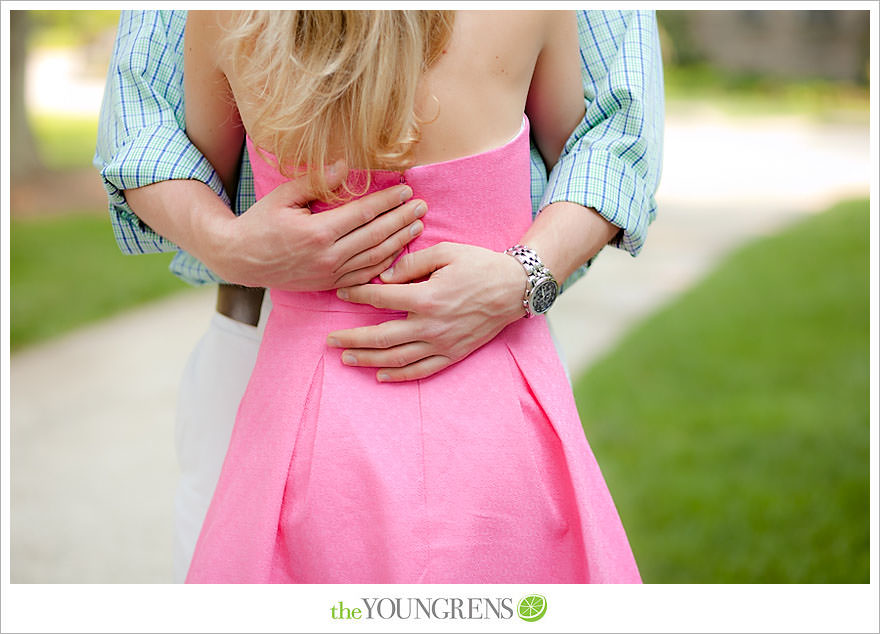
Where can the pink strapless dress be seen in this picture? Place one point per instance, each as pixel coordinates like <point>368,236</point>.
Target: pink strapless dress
<point>479,474</point>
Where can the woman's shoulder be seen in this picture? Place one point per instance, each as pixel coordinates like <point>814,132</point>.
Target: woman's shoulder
<point>205,31</point>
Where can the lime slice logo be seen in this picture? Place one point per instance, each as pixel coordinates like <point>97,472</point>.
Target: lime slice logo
<point>532,607</point>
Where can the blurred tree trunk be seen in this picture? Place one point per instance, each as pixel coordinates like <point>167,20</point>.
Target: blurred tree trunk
<point>24,158</point>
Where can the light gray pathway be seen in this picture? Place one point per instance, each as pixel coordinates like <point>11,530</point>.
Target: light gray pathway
<point>93,466</point>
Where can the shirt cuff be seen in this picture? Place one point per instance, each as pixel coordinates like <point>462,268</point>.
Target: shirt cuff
<point>155,154</point>
<point>601,180</point>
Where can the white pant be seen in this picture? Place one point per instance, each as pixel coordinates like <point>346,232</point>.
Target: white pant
<point>212,386</point>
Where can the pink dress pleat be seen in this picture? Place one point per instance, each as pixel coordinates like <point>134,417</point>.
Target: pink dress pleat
<point>479,474</point>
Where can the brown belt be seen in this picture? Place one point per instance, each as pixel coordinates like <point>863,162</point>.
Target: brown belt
<point>241,303</point>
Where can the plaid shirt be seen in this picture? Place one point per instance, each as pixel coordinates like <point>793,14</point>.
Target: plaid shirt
<point>611,162</point>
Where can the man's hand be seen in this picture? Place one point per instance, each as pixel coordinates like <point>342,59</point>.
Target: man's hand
<point>279,243</point>
<point>471,295</point>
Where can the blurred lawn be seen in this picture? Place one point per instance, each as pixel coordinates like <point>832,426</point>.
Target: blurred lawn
<point>67,271</point>
<point>65,142</point>
<point>732,426</point>
<point>56,28</point>
<point>749,94</point>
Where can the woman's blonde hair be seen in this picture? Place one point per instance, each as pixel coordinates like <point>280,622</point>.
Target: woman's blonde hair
<point>350,74</point>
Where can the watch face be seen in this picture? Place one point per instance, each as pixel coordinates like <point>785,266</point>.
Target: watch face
<point>543,296</point>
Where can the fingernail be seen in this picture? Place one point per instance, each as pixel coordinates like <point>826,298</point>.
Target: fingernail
<point>405,193</point>
<point>342,293</point>
<point>333,342</point>
<point>421,208</point>
<point>387,274</point>
<point>382,376</point>
<point>349,359</point>
<point>416,228</point>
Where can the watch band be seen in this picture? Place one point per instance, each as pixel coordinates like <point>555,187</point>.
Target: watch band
<point>541,287</point>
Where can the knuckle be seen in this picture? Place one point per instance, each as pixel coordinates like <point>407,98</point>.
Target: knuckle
<point>386,262</point>
<point>405,261</point>
<point>423,371</point>
<point>405,216</point>
<point>362,276</point>
<point>325,261</point>
<point>369,274</point>
<point>434,330</point>
<point>404,237</point>
<point>375,257</point>
<point>380,340</point>
<point>339,281</point>
<point>289,188</point>
<point>321,236</point>
<point>366,295</point>
<point>398,360</point>
<point>391,198</point>
<point>366,213</point>
<point>376,235</point>
<point>426,301</point>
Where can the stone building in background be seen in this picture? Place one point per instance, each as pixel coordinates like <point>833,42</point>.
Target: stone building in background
<point>796,44</point>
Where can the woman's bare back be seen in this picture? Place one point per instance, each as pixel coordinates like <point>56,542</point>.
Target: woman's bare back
<point>480,83</point>
<point>473,97</point>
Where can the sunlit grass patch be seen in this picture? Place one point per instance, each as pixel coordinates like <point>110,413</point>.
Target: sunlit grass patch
<point>732,426</point>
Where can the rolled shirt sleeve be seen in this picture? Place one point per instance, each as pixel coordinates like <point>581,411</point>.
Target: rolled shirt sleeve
<point>612,161</point>
<point>141,132</point>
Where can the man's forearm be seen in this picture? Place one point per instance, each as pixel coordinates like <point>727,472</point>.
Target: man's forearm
<point>186,212</point>
<point>566,235</point>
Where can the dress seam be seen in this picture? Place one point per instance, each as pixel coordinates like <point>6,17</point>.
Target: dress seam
<point>424,485</point>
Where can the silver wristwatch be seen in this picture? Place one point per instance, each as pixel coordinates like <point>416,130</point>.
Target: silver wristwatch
<point>541,289</point>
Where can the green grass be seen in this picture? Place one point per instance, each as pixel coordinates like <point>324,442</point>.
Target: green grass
<point>67,271</point>
<point>732,426</point>
<point>69,28</point>
<point>65,142</point>
<point>750,94</point>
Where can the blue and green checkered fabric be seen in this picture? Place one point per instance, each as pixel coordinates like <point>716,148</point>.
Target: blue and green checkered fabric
<point>611,162</point>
